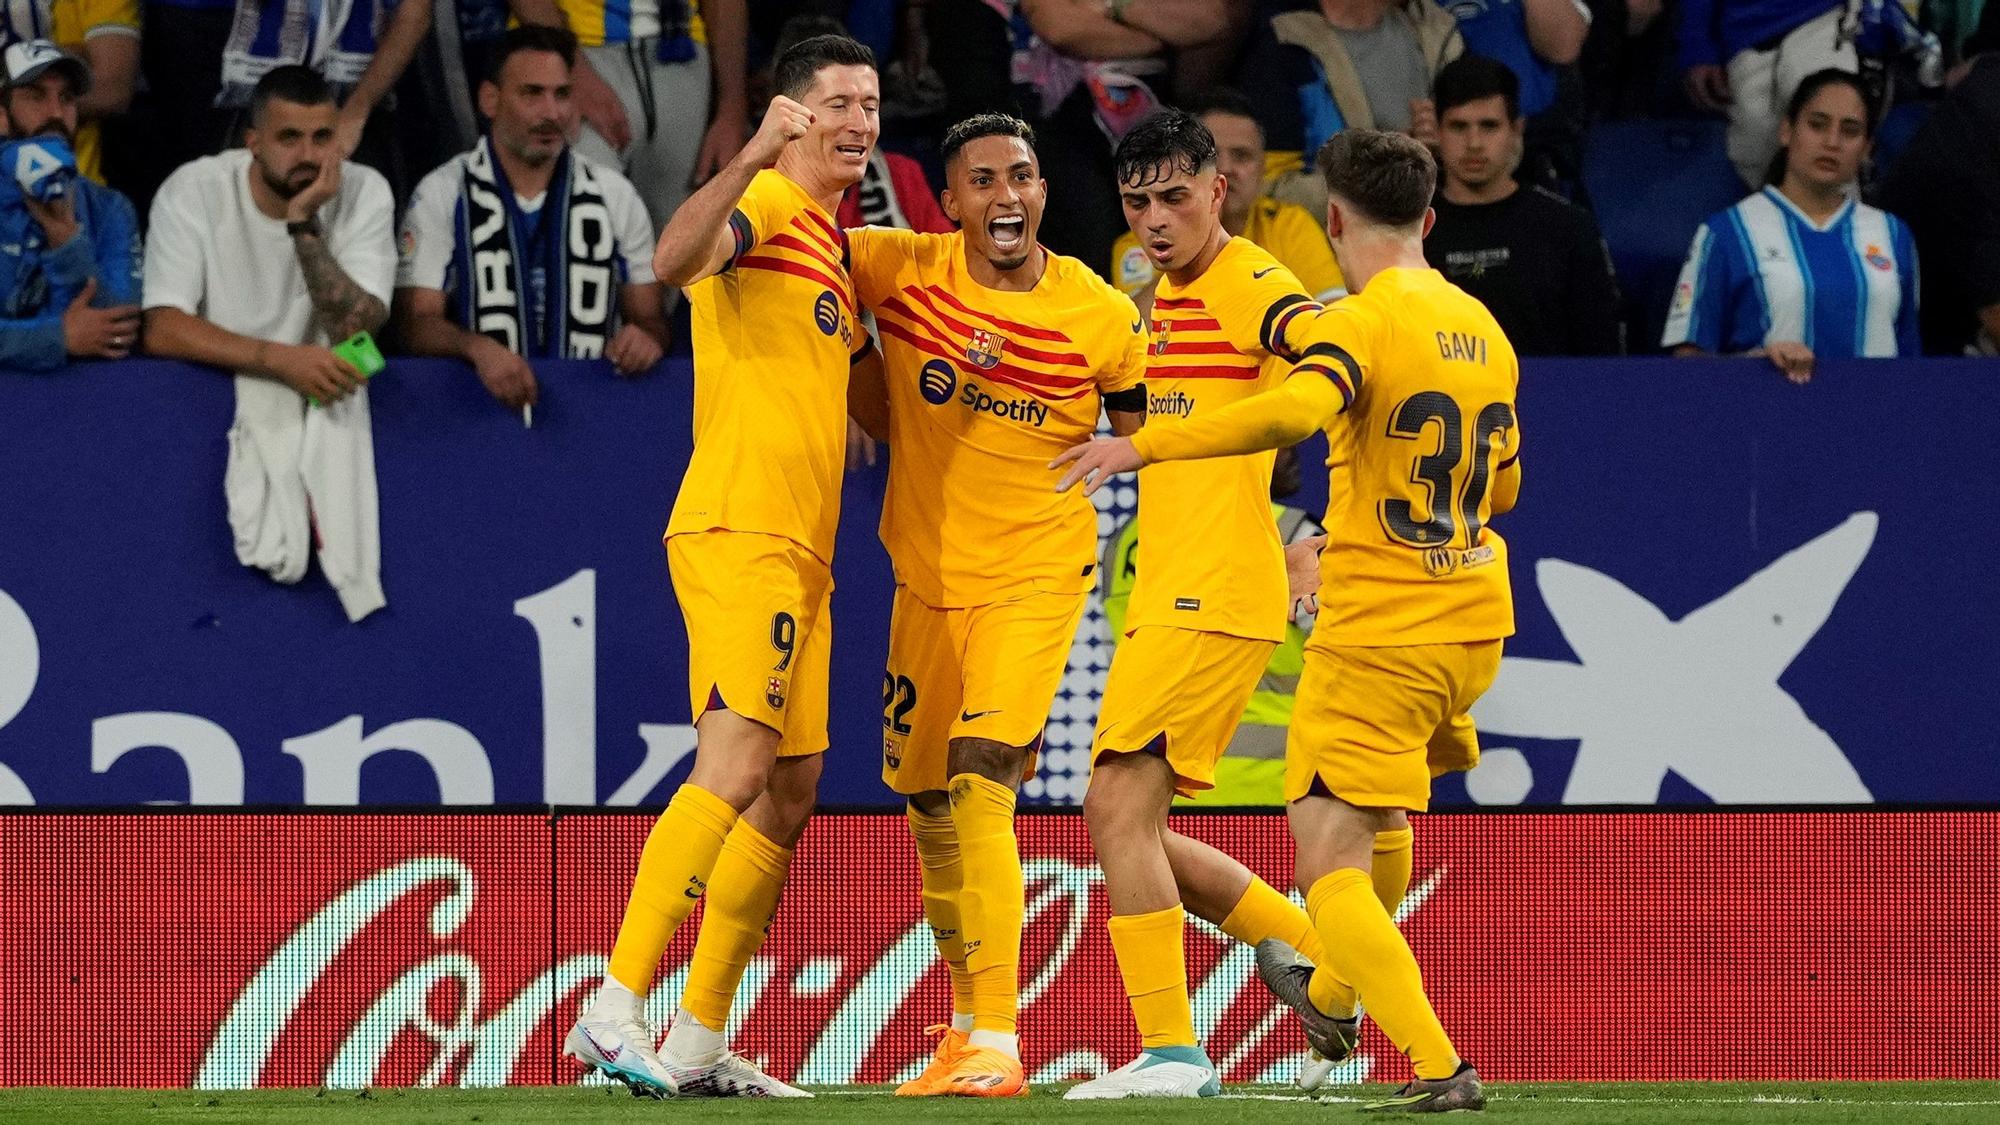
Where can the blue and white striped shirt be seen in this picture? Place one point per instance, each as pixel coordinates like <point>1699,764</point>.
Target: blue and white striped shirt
<point>1762,273</point>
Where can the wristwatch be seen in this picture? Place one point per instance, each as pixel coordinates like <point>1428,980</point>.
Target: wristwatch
<point>310,226</point>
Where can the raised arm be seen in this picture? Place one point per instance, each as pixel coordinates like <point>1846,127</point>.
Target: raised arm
<point>699,240</point>
<point>408,25</point>
<point>341,306</point>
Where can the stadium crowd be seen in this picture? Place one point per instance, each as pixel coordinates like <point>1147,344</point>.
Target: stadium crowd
<point>620,107</point>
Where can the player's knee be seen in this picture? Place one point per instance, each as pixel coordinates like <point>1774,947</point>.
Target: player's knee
<point>1122,802</point>
<point>995,761</point>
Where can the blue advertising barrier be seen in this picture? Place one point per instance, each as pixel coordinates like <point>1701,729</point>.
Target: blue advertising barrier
<point>1730,590</point>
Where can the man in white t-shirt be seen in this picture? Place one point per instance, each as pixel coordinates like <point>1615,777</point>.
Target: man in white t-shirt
<point>257,262</point>
<point>524,248</point>
<point>259,258</point>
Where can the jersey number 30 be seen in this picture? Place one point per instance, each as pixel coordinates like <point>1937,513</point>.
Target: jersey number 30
<point>1437,473</point>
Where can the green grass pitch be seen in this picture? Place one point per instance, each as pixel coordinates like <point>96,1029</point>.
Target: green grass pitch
<point>1903,1103</point>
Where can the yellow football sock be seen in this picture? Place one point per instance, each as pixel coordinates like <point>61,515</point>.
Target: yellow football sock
<point>1262,913</point>
<point>674,867</point>
<point>1389,875</point>
<point>1153,960</point>
<point>1364,946</point>
<point>989,901</point>
<point>749,876</point>
<point>943,874</point>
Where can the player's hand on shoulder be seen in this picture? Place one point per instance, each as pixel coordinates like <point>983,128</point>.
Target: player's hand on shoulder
<point>784,121</point>
<point>1096,461</point>
<point>506,374</point>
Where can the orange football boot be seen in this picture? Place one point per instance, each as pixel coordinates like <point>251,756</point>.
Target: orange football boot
<point>982,1072</point>
<point>949,1047</point>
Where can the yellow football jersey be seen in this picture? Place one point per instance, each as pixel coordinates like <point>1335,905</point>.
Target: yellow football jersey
<point>773,333</point>
<point>1287,230</point>
<point>985,388</point>
<point>1409,559</point>
<point>1209,556</point>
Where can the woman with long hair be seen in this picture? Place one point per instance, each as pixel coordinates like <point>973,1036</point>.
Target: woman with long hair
<point>1803,269</point>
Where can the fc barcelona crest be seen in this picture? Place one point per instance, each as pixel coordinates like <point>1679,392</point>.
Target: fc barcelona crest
<point>984,349</point>
<point>1162,329</point>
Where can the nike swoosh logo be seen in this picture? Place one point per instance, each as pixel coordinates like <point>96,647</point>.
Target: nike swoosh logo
<point>608,1056</point>
<point>1138,326</point>
<point>1262,272</point>
<point>966,717</point>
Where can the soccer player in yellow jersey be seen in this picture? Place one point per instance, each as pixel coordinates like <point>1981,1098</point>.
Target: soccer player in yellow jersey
<point>750,549</point>
<point>1293,235</point>
<point>1414,384</point>
<point>998,355</point>
<point>1209,607</point>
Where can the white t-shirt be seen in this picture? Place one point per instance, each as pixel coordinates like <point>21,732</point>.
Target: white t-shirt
<point>430,226</point>
<point>211,253</point>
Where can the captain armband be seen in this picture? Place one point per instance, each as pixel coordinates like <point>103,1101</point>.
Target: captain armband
<point>1131,400</point>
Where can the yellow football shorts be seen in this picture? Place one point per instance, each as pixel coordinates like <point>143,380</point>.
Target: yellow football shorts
<point>1178,693</point>
<point>1374,725</point>
<point>759,628</point>
<point>987,671</point>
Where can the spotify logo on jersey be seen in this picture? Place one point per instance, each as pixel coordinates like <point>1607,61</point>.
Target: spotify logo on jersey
<point>826,313</point>
<point>937,380</point>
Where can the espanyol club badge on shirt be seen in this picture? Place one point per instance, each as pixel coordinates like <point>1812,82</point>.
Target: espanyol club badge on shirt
<point>984,349</point>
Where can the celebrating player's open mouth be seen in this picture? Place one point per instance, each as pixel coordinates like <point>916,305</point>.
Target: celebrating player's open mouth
<point>997,199</point>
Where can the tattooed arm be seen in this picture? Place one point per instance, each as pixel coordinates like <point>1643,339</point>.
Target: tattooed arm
<point>341,307</point>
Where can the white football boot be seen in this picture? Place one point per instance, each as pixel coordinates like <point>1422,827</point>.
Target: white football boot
<point>703,1066</point>
<point>621,1047</point>
<point>1158,1072</point>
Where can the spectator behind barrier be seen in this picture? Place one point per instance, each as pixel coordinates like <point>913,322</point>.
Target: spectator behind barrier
<point>1744,58</point>
<point>1081,72</point>
<point>643,86</point>
<point>1947,184</point>
<point>1803,269</point>
<point>361,61</point>
<point>1533,258</point>
<point>69,249</point>
<point>1537,39</point>
<point>105,35</point>
<point>1344,63</point>
<point>1293,235</point>
<point>563,247</point>
<point>256,261</point>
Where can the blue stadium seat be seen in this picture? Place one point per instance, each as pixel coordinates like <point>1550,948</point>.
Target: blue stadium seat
<point>1652,183</point>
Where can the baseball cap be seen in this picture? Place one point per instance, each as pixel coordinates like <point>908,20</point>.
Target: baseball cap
<point>28,59</point>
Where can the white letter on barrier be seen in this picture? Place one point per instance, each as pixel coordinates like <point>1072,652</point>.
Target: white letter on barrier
<point>333,759</point>
<point>213,761</point>
<point>20,667</point>
<point>564,617</point>
<point>666,745</point>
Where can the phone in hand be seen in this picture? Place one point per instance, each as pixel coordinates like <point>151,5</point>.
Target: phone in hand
<point>360,352</point>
